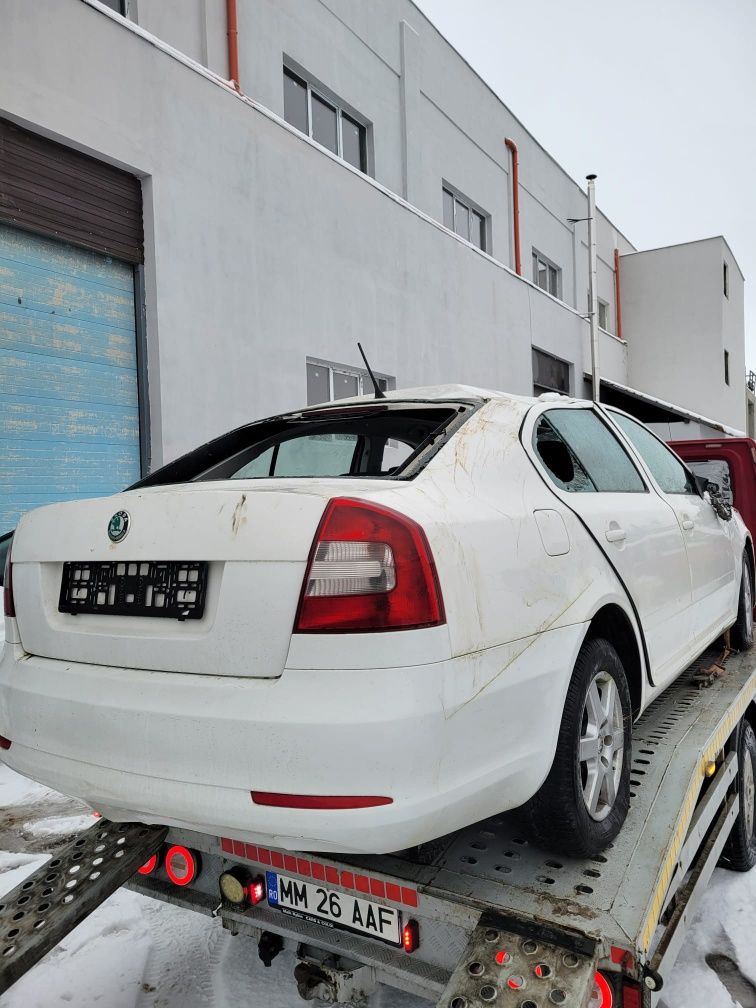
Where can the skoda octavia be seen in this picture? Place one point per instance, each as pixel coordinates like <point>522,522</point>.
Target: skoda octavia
<point>361,626</point>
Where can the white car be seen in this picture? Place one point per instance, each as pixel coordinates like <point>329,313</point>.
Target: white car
<point>361,626</point>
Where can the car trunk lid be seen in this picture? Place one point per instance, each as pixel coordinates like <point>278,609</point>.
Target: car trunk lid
<point>250,541</point>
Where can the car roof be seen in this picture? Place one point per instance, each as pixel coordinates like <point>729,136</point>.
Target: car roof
<point>450,392</point>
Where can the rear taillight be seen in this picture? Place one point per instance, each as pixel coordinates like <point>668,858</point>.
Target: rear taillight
<point>8,606</point>
<point>601,996</point>
<point>149,866</point>
<point>370,568</point>
<point>182,865</point>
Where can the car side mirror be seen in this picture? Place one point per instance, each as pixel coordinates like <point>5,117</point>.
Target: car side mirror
<point>702,483</point>
<point>721,508</point>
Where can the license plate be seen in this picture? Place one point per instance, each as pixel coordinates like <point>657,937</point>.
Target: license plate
<point>333,909</point>
<point>171,589</point>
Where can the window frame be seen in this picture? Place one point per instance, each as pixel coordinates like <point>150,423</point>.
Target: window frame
<point>630,456</point>
<point>610,410</point>
<point>605,306</point>
<point>342,110</point>
<point>539,257</point>
<point>548,388</point>
<point>364,384</point>
<point>472,208</point>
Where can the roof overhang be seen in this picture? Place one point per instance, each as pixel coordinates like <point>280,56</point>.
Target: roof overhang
<point>649,409</point>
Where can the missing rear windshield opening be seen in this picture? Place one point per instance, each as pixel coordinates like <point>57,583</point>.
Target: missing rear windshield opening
<point>387,441</point>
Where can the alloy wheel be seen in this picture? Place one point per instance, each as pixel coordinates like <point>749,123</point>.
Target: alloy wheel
<point>602,746</point>
<point>749,796</point>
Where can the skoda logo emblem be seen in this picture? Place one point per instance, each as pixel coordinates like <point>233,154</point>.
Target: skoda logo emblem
<point>118,526</point>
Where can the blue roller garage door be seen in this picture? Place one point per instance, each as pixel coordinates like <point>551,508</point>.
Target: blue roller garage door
<point>69,418</point>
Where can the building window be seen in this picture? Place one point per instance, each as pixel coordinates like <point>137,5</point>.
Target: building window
<point>321,119</point>
<point>725,280</point>
<point>550,374</point>
<point>326,382</point>
<point>546,274</point>
<point>727,367</point>
<point>119,6</point>
<point>603,315</point>
<point>461,218</point>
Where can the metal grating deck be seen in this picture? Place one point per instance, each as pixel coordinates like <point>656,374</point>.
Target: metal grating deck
<point>493,865</point>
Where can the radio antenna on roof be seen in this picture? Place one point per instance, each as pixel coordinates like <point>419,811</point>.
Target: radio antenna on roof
<point>379,393</point>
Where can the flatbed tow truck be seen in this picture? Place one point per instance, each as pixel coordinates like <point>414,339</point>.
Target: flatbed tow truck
<point>479,918</point>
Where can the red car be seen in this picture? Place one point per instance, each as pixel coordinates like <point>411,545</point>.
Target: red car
<point>730,463</point>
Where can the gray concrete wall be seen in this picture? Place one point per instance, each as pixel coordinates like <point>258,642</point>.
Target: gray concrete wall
<point>261,248</point>
<point>678,323</point>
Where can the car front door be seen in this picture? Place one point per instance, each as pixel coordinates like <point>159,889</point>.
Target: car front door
<point>715,575</point>
<point>594,474</point>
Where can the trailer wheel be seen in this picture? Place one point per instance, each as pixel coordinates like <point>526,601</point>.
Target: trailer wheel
<point>741,634</point>
<point>740,851</point>
<point>585,799</point>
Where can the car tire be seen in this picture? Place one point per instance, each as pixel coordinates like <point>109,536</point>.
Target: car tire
<point>573,813</point>
<point>739,853</point>
<point>741,634</point>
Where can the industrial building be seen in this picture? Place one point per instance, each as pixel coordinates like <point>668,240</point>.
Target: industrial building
<point>203,208</point>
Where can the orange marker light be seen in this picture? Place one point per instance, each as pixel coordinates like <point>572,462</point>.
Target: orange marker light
<point>410,936</point>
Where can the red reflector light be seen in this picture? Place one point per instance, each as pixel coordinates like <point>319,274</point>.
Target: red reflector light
<point>632,996</point>
<point>256,890</point>
<point>9,607</point>
<point>5,743</point>
<point>370,569</point>
<point>602,993</point>
<point>149,866</point>
<point>503,957</point>
<point>410,936</point>
<point>181,865</point>
<point>300,801</point>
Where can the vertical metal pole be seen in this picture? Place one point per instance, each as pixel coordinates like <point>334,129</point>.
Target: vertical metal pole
<point>592,288</point>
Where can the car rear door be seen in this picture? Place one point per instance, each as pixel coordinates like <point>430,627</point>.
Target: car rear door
<point>637,530</point>
<point>715,576</point>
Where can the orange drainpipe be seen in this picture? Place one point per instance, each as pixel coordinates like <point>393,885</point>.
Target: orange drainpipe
<point>233,43</point>
<point>515,202</point>
<point>618,293</point>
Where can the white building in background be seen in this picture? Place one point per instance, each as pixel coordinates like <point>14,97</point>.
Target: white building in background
<point>178,257</point>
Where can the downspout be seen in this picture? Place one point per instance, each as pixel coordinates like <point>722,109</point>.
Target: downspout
<point>233,43</point>
<point>515,202</point>
<point>617,293</point>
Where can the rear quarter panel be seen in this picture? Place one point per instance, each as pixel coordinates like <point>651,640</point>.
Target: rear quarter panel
<point>476,502</point>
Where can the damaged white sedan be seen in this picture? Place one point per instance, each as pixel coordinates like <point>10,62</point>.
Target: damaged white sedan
<point>361,626</point>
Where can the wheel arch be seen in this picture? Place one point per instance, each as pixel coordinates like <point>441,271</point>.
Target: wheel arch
<point>613,624</point>
<point>749,714</point>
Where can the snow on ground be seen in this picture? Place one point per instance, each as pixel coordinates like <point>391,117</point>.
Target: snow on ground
<point>134,952</point>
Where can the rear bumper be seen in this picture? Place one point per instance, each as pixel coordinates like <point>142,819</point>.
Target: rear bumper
<point>450,742</point>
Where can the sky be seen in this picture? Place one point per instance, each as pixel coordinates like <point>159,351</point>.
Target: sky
<point>657,97</point>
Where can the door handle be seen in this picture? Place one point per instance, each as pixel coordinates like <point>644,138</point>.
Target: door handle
<point>615,534</point>
<point>687,524</point>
